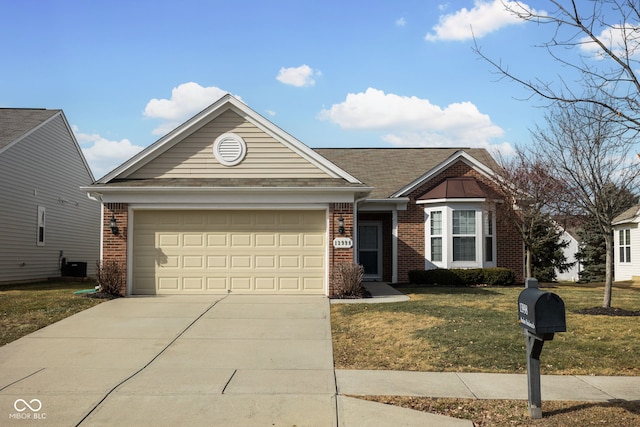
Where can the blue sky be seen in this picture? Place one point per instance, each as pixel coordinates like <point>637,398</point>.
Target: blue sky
<point>331,73</point>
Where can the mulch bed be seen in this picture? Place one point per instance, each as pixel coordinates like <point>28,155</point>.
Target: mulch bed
<point>101,295</point>
<point>611,311</point>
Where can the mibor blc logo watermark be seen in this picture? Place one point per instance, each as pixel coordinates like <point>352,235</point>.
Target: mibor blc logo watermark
<point>30,410</point>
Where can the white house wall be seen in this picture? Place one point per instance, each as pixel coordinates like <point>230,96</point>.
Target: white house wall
<point>45,169</point>
<point>627,270</point>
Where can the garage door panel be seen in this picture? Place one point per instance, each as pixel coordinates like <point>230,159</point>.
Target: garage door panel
<point>168,283</point>
<point>241,251</point>
<point>168,240</point>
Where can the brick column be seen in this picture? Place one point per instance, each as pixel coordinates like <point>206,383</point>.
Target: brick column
<point>114,246</point>
<point>339,255</point>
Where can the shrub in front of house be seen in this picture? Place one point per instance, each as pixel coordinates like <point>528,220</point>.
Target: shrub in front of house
<point>347,281</point>
<point>110,277</point>
<point>437,277</point>
<point>499,276</point>
<point>463,277</point>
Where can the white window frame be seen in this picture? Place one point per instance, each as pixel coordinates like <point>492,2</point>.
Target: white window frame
<point>624,244</point>
<point>41,226</point>
<point>482,228</point>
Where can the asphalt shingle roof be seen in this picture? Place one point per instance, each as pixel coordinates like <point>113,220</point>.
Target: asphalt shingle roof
<point>391,169</point>
<point>15,122</point>
<point>627,215</point>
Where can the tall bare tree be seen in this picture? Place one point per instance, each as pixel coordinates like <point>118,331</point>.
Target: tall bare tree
<point>597,42</point>
<point>591,157</point>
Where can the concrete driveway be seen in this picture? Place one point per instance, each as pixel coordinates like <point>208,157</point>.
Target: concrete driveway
<point>187,360</point>
<point>183,360</point>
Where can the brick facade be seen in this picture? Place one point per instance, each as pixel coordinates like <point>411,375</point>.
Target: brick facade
<point>339,255</point>
<point>114,246</point>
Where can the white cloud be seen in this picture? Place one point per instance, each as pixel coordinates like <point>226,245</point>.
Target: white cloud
<point>401,22</point>
<point>102,154</point>
<point>412,121</point>
<point>186,100</point>
<point>298,76</point>
<point>484,18</point>
<point>620,39</point>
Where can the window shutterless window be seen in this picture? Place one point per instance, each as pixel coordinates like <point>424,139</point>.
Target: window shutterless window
<point>41,226</point>
<point>625,245</point>
<point>464,235</point>
<point>488,237</point>
<point>436,236</point>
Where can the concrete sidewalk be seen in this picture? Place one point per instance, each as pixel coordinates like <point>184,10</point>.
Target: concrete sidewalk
<point>485,386</point>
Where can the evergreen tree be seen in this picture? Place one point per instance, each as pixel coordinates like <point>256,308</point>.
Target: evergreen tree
<point>547,249</point>
<point>593,253</point>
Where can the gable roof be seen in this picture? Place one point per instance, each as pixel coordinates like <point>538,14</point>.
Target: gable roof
<point>16,123</point>
<point>393,172</point>
<point>630,215</point>
<point>226,103</point>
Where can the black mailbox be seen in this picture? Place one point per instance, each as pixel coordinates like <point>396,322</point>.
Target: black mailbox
<point>541,312</point>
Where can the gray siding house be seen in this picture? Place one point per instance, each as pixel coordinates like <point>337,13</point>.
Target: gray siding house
<point>44,216</point>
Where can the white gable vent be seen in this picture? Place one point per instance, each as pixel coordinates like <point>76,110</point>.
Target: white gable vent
<point>229,149</point>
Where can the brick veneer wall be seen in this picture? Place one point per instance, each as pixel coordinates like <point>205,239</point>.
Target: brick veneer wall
<point>114,246</point>
<point>339,255</point>
<point>411,227</point>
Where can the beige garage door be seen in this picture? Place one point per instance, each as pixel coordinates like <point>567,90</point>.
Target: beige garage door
<point>268,252</point>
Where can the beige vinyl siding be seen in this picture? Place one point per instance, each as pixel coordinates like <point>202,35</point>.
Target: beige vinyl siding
<point>45,169</point>
<point>193,156</point>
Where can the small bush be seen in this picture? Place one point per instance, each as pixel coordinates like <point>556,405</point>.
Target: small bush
<point>110,277</point>
<point>499,277</point>
<point>347,280</point>
<point>438,276</point>
<point>463,277</point>
<point>470,276</point>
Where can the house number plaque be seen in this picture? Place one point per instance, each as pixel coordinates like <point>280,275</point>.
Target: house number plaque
<point>342,242</point>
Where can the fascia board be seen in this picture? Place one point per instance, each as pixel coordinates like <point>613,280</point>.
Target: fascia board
<point>252,195</point>
<point>77,145</point>
<point>457,200</point>
<point>458,155</point>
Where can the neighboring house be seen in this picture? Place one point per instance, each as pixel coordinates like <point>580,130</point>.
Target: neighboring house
<point>44,215</point>
<point>626,241</point>
<point>573,273</point>
<point>229,202</point>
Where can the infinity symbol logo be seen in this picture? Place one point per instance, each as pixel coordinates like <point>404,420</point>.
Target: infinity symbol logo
<point>21,405</point>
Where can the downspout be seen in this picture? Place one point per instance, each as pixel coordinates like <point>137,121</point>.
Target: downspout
<point>98,198</point>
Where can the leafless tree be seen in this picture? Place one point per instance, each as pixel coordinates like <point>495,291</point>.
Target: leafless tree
<point>597,42</point>
<point>590,157</point>
<point>533,195</point>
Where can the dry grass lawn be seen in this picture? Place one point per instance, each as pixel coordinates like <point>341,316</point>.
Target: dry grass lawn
<point>25,308</point>
<point>476,330</point>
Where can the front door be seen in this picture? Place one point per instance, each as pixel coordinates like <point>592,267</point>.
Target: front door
<point>370,249</point>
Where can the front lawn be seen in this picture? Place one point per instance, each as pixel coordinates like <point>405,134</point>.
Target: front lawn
<point>25,308</point>
<point>476,330</point>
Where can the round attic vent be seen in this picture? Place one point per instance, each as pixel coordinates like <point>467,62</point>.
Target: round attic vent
<point>229,149</point>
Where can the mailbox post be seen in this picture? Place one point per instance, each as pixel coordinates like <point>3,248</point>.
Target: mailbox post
<point>541,314</point>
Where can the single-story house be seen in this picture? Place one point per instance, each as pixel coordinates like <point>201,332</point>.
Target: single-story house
<point>229,202</point>
<point>626,241</point>
<point>45,218</point>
